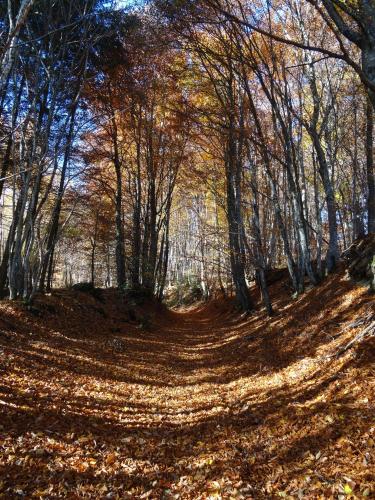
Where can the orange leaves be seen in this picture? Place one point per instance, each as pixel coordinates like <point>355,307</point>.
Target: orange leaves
<point>185,412</point>
<point>111,459</point>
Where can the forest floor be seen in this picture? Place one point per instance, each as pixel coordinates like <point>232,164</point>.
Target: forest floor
<point>202,404</point>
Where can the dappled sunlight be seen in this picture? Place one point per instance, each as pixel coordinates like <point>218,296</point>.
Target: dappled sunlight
<point>194,404</point>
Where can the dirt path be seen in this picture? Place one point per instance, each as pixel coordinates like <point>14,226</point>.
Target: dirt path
<point>206,404</point>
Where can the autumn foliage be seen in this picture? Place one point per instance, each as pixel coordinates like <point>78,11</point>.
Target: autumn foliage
<point>187,253</point>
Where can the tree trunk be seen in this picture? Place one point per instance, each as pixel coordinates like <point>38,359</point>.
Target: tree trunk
<point>333,248</point>
<point>370,167</point>
<point>120,250</point>
<point>234,221</point>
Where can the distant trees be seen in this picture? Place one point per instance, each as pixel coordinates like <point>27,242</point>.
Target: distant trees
<point>141,131</point>
<point>206,142</point>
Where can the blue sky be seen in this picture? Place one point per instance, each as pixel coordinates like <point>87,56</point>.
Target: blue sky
<point>125,3</point>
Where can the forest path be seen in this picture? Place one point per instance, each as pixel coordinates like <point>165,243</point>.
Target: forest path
<point>204,405</point>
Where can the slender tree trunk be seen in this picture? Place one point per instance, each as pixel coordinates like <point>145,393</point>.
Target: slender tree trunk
<point>9,50</point>
<point>258,247</point>
<point>234,221</point>
<point>93,248</point>
<point>120,250</point>
<point>370,167</point>
<point>55,218</point>
<point>136,241</point>
<point>318,216</point>
<point>333,248</point>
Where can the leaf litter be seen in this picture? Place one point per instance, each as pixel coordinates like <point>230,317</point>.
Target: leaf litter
<point>204,405</point>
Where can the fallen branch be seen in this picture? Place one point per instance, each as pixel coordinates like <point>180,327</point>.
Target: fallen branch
<point>358,322</point>
<point>368,331</point>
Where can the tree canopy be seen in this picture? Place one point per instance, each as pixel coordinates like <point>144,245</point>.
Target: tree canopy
<point>178,142</point>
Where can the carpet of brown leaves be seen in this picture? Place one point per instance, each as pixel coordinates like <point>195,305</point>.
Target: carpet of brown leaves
<point>204,405</point>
